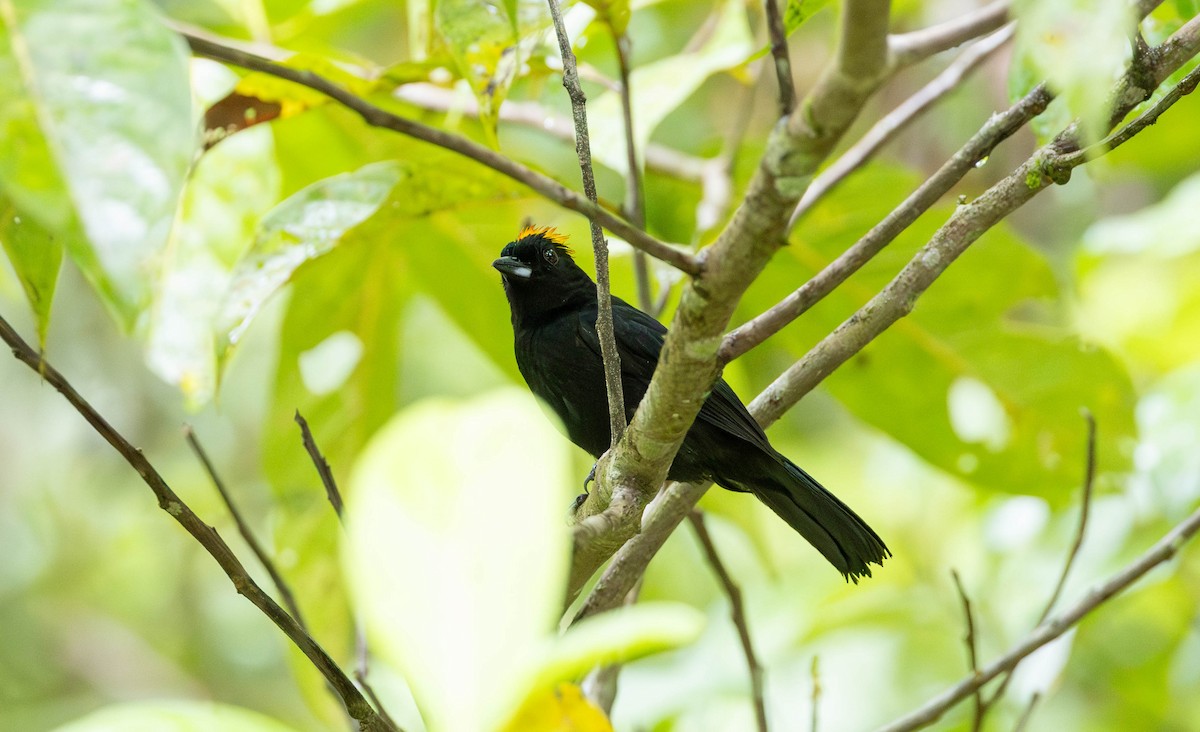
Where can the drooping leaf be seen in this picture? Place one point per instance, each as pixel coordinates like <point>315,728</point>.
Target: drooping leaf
<point>231,187</point>
<point>35,256</point>
<point>301,228</point>
<point>96,107</point>
<point>483,41</point>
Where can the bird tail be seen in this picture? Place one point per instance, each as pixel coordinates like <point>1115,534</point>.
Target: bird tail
<point>820,517</point>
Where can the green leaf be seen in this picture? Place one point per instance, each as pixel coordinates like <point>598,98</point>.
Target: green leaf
<point>458,551</point>
<point>799,11</point>
<point>482,39</point>
<point>619,636</point>
<point>1081,48</point>
<point>174,716</point>
<point>96,106</point>
<point>984,380</point>
<point>615,13</point>
<point>36,257</point>
<point>233,185</point>
<point>661,86</point>
<point>301,228</point>
<point>1165,229</point>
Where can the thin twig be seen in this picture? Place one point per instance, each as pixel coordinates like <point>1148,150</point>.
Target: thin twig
<point>1162,551</point>
<point>600,685</point>
<point>1089,477</point>
<point>814,672</point>
<point>1085,507</point>
<point>783,63</point>
<point>899,119</point>
<point>281,585</point>
<point>378,117</point>
<point>354,702</point>
<point>908,48</point>
<point>635,203</point>
<point>972,644</point>
<point>362,653</point>
<point>583,149</point>
<point>322,466</point>
<point>738,612</point>
<point>1028,713</point>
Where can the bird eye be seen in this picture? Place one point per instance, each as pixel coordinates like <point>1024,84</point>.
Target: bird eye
<point>551,256</point>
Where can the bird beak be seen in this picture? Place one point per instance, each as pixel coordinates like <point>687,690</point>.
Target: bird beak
<point>513,267</point>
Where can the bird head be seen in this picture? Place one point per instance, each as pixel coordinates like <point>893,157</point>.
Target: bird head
<point>539,273</point>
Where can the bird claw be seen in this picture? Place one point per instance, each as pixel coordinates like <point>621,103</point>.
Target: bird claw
<point>578,503</point>
<point>591,477</point>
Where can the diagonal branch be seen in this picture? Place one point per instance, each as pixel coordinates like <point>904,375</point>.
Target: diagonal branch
<point>906,49</point>
<point>356,705</point>
<point>899,119</point>
<point>378,117</point>
<point>1164,550</point>
<point>966,225</point>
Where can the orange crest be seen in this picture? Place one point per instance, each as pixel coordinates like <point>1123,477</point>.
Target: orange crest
<point>549,233</point>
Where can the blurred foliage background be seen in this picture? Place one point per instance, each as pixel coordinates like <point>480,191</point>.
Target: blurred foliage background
<point>318,264</point>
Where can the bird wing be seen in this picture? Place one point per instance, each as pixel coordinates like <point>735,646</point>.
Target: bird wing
<point>639,340</point>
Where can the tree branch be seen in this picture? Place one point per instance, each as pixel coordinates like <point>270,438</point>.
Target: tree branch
<point>909,48</point>
<point>1165,549</point>
<point>355,704</point>
<point>997,129</point>
<point>898,120</point>
<point>737,611</point>
<point>1050,164</point>
<point>968,223</point>
<point>688,367</point>
<point>377,117</point>
<point>783,63</point>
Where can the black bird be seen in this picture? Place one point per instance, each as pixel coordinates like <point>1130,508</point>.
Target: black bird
<point>553,305</point>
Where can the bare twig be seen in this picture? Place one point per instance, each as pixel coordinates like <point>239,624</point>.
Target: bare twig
<point>737,610</point>
<point>908,48</point>
<point>815,673</point>
<point>1089,477</point>
<point>583,149</point>
<point>281,585</point>
<point>362,653</point>
<point>972,644</point>
<point>635,205</point>
<point>354,702</point>
<point>322,466</point>
<point>898,120</point>
<point>783,63</point>
<point>378,117</point>
<point>600,685</point>
<point>1162,551</point>
<point>1028,713</point>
